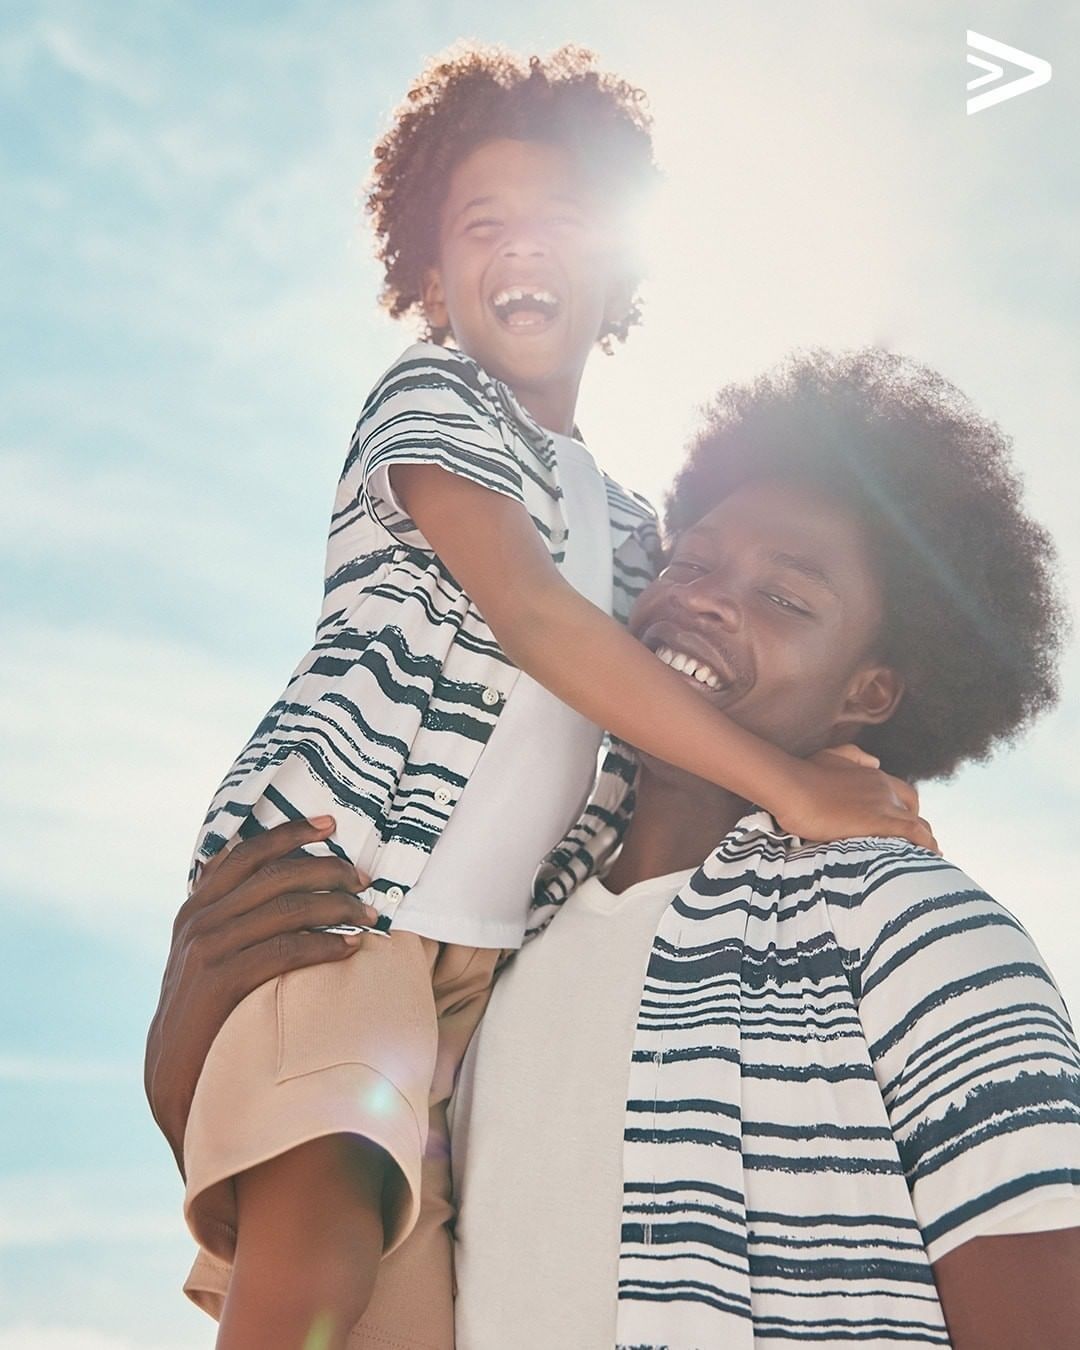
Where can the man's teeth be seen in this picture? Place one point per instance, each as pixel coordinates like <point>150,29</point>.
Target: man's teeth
<point>690,665</point>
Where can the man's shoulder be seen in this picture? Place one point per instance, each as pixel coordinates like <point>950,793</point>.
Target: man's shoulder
<point>866,884</point>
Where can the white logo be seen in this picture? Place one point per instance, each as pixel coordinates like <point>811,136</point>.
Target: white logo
<point>1038,72</point>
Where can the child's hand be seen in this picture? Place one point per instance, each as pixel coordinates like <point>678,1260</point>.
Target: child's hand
<point>838,795</point>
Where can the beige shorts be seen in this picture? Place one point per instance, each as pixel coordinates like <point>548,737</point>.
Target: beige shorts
<point>370,1046</point>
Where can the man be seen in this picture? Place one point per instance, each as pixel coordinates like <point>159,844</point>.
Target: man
<point>844,1103</point>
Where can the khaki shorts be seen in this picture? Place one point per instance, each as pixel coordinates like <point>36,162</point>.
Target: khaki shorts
<point>370,1046</point>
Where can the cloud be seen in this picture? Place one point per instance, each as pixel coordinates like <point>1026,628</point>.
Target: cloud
<point>48,1069</point>
<point>116,742</point>
<point>35,1336</point>
<point>54,1208</point>
<point>95,60</point>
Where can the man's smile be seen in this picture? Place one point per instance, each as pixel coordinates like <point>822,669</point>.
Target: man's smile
<point>712,670</point>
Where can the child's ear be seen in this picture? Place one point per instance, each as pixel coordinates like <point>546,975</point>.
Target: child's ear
<point>872,697</point>
<point>433,299</point>
<point>620,300</point>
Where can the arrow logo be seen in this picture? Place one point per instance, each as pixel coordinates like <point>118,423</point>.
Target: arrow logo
<point>1038,72</point>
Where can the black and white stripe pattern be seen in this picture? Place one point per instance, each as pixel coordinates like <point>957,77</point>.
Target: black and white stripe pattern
<point>848,1061</point>
<point>385,718</point>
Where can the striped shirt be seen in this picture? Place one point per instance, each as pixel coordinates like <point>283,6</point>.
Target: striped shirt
<point>848,1060</point>
<point>385,718</point>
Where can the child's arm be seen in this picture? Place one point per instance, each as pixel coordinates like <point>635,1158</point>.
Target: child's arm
<point>591,662</point>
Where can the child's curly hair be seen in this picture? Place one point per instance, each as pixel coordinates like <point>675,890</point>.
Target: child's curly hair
<point>475,94</point>
<point>974,620</point>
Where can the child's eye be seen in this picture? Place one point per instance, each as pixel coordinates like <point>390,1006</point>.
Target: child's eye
<point>482,223</point>
<point>565,222</point>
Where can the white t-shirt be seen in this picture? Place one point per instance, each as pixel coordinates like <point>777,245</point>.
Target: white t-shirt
<point>534,776</point>
<point>538,1123</point>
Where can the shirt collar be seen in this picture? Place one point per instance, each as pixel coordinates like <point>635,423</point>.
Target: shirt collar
<point>758,821</point>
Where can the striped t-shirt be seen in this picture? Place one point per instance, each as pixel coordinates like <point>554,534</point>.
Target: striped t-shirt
<point>384,720</point>
<point>848,1060</point>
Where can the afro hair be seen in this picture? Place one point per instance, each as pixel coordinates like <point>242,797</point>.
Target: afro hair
<point>973,620</point>
<point>472,95</point>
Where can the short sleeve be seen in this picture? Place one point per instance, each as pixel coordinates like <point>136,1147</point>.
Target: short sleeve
<point>431,407</point>
<point>972,1047</point>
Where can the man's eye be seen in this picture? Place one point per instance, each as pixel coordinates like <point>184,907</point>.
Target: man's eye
<point>782,602</point>
<point>684,565</point>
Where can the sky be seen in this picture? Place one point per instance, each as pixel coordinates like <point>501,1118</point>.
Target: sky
<point>190,329</point>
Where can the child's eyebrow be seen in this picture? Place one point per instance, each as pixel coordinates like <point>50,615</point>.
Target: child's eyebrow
<point>561,197</point>
<point>475,201</point>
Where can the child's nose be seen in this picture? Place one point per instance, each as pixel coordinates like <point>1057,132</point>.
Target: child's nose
<point>525,240</point>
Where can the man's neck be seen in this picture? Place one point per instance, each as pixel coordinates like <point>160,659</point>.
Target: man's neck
<point>678,821</point>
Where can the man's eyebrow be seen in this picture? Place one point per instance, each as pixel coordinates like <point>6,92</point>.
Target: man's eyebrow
<point>807,568</point>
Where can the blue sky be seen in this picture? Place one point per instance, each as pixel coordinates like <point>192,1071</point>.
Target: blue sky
<point>191,328</point>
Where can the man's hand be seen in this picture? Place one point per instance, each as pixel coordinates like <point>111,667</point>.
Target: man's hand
<point>839,795</point>
<point>244,923</point>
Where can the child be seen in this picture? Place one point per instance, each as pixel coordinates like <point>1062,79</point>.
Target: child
<point>449,713</point>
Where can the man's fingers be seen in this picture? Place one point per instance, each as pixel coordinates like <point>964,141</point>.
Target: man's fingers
<point>291,912</point>
<point>285,876</point>
<point>239,863</point>
<point>290,951</point>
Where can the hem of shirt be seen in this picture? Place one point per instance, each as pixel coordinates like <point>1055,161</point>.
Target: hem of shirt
<point>462,933</point>
<point>984,1224</point>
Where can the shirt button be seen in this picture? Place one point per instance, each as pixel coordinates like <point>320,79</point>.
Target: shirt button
<point>490,696</point>
<point>395,895</point>
<point>442,795</point>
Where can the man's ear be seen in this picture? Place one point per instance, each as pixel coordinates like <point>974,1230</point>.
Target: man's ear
<point>872,697</point>
<point>433,299</point>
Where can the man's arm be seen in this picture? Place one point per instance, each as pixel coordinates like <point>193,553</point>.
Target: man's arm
<point>1019,1291</point>
<point>244,923</point>
<point>977,1063</point>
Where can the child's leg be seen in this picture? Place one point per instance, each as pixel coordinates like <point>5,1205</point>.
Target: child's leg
<point>412,1306</point>
<point>305,1140</point>
<point>309,1243</point>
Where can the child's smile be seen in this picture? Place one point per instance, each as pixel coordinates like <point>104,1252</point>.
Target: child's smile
<point>525,308</point>
<point>526,273</point>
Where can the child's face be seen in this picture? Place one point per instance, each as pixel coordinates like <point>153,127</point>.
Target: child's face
<point>526,275</point>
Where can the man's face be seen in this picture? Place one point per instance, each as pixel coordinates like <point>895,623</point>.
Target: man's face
<point>771,607</point>
<point>525,275</point>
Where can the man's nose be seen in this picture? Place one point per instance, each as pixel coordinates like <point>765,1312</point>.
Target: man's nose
<point>710,597</point>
